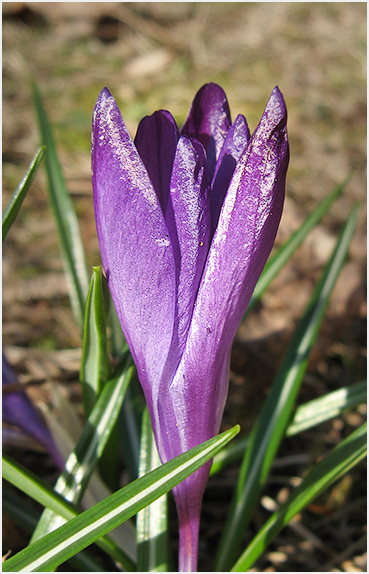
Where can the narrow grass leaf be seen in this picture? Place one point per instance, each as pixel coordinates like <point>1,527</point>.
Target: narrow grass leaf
<point>276,262</point>
<point>117,341</point>
<point>80,465</point>
<point>25,516</point>
<point>130,424</point>
<point>324,408</point>
<point>307,415</point>
<point>65,217</point>
<point>339,461</point>
<point>94,370</point>
<point>151,522</point>
<point>14,205</point>
<point>95,365</point>
<point>56,547</point>
<point>270,428</point>
<point>133,405</point>
<point>27,482</point>
<point>31,485</point>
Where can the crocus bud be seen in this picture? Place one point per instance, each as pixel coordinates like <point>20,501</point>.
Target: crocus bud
<point>186,221</point>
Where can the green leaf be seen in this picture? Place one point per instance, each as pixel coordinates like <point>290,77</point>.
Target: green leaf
<point>152,522</point>
<point>36,489</point>
<point>342,458</point>
<point>270,428</point>
<point>94,371</point>
<point>65,217</point>
<point>31,485</point>
<point>307,415</point>
<point>56,547</point>
<point>276,262</point>
<point>14,205</point>
<point>81,463</point>
<point>95,367</point>
<point>133,404</point>
<point>130,423</point>
<point>118,344</point>
<point>324,408</point>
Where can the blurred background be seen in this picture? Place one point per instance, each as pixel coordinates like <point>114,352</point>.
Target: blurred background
<point>154,55</point>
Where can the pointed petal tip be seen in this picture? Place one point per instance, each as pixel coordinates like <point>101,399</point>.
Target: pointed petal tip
<point>104,102</point>
<point>277,90</point>
<point>276,103</point>
<point>103,96</point>
<point>105,107</point>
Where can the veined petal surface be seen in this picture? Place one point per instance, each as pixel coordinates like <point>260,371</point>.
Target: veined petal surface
<point>243,239</point>
<point>134,242</point>
<point>234,145</point>
<point>244,236</point>
<point>190,198</point>
<point>190,204</point>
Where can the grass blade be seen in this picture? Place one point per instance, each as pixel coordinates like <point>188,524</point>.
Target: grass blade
<point>65,216</point>
<point>151,523</point>
<point>31,485</point>
<point>306,416</point>
<point>324,408</point>
<point>130,423</point>
<point>94,371</point>
<point>56,547</point>
<point>118,344</point>
<point>27,482</point>
<point>130,420</point>
<point>14,205</point>
<point>276,413</point>
<point>342,458</point>
<point>25,516</point>
<point>81,463</point>
<point>285,252</point>
<point>95,366</point>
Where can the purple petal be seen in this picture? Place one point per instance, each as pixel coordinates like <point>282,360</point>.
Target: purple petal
<point>134,242</point>
<point>18,410</point>
<point>190,201</point>
<point>208,121</point>
<point>237,139</point>
<point>156,142</point>
<point>180,305</point>
<point>245,233</point>
<point>190,198</point>
<point>241,244</point>
<point>243,239</point>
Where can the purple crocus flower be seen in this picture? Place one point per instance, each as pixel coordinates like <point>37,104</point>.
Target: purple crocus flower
<point>186,221</point>
<point>18,410</point>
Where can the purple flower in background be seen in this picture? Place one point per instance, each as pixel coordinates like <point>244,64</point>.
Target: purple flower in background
<point>186,221</point>
<point>18,410</point>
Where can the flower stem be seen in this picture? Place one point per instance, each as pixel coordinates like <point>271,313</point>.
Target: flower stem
<point>188,545</point>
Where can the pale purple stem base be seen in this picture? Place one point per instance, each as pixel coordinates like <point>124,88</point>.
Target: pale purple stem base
<point>188,544</point>
<point>188,496</point>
